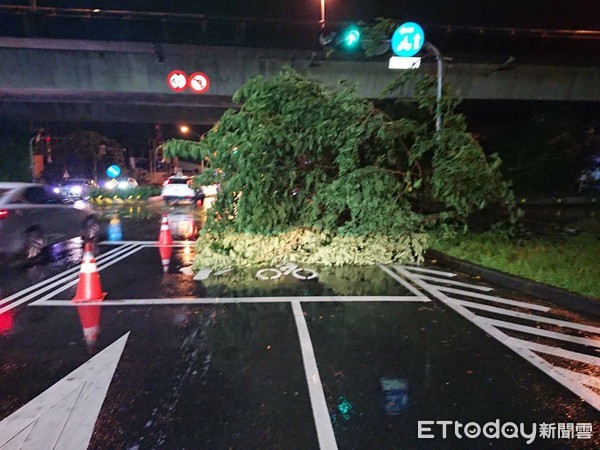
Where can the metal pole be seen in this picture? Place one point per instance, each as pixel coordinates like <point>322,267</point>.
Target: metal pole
<point>440,80</point>
<point>322,14</point>
<point>31,163</point>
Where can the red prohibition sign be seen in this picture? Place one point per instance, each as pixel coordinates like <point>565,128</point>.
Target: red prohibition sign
<point>199,82</point>
<point>177,80</point>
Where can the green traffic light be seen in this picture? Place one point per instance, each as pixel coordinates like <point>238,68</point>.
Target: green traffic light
<point>351,37</point>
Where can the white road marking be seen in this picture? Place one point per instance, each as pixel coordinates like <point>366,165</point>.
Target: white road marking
<point>149,243</point>
<point>588,380</point>
<point>555,351</point>
<point>576,386</point>
<point>225,300</point>
<point>325,432</point>
<point>431,271</point>
<point>451,282</point>
<point>539,332</point>
<point>62,275</point>
<point>526,316</point>
<point>63,416</point>
<point>400,280</point>
<point>492,298</point>
<point>64,284</point>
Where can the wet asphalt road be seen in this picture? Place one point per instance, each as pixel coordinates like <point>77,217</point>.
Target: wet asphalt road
<point>226,362</point>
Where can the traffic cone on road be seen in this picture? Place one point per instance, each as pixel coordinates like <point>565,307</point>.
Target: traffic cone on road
<point>89,315</point>
<point>165,256</point>
<point>89,288</point>
<point>165,238</point>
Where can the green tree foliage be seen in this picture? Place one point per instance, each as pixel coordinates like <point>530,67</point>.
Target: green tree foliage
<point>298,153</point>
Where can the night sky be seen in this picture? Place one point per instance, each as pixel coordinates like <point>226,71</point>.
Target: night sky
<point>555,14</point>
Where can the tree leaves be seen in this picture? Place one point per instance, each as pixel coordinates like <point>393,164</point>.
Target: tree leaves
<point>305,155</point>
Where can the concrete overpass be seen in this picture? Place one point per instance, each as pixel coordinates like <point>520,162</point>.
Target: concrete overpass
<point>95,81</point>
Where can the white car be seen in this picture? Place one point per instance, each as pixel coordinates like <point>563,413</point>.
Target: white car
<point>178,187</point>
<point>32,216</point>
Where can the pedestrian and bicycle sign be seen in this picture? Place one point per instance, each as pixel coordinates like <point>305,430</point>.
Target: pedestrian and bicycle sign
<point>408,39</point>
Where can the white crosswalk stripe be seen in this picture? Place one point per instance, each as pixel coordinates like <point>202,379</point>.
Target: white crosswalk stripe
<point>65,280</point>
<point>529,347</point>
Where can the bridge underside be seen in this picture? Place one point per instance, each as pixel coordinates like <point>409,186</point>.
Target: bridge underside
<point>91,81</point>
<point>123,107</point>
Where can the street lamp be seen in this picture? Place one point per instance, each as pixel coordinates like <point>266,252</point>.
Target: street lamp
<point>322,14</point>
<point>187,130</point>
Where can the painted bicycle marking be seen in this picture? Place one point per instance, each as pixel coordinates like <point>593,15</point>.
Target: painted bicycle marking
<point>272,273</point>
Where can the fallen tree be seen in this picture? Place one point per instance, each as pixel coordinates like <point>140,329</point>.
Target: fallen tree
<point>302,159</point>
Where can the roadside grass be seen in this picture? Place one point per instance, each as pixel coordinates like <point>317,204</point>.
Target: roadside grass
<point>556,258</point>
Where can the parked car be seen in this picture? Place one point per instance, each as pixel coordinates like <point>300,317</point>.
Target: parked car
<point>74,189</point>
<point>179,187</point>
<point>33,216</point>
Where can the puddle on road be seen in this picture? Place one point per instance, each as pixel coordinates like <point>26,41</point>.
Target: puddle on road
<point>348,280</point>
<point>142,222</point>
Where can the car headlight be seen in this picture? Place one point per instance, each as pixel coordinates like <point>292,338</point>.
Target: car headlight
<point>76,190</point>
<point>56,190</point>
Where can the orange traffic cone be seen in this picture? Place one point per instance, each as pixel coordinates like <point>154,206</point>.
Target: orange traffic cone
<point>165,238</point>
<point>165,256</point>
<point>89,288</point>
<point>89,315</point>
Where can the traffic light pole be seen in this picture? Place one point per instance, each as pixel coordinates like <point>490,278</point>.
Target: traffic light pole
<point>440,77</point>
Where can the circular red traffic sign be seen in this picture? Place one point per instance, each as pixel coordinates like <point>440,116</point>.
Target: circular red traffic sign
<point>199,82</point>
<point>177,80</point>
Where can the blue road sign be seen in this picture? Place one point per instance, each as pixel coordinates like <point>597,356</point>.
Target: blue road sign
<point>408,39</point>
<point>113,171</point>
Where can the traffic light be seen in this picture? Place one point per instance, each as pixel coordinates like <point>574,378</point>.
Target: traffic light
<point>350,37</point>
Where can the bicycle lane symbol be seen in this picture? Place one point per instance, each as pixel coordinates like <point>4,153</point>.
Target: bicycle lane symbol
<point>272,273</point>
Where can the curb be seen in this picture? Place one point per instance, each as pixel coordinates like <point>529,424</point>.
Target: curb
<point>558,296</point>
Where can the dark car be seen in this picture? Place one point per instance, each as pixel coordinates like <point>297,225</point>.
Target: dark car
<point>32,216</point>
